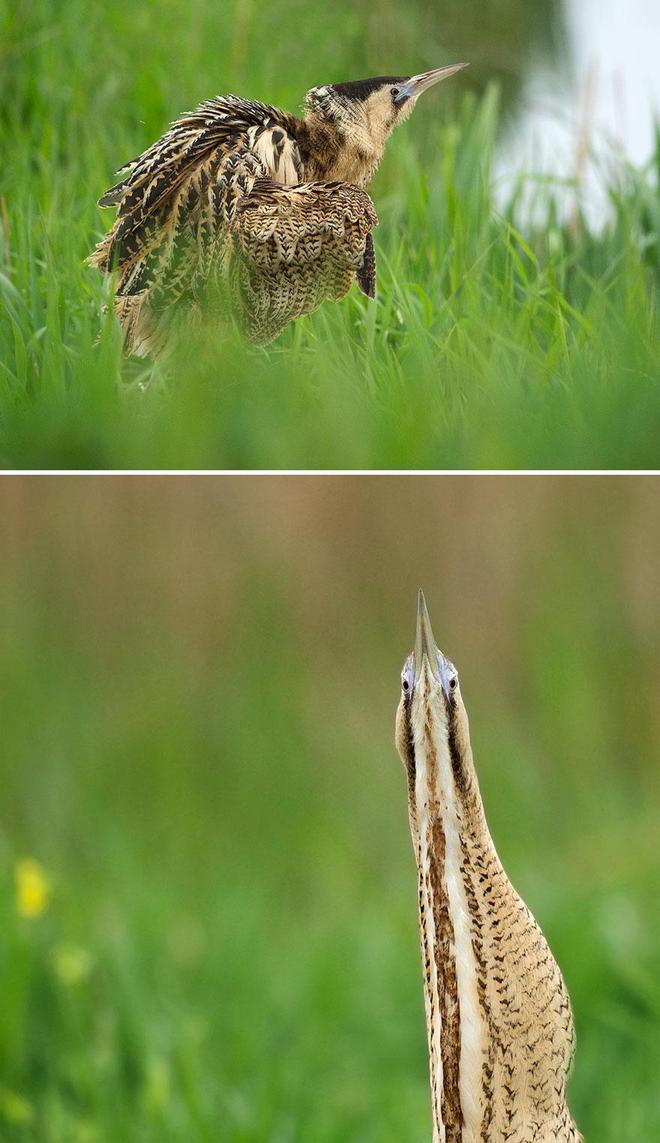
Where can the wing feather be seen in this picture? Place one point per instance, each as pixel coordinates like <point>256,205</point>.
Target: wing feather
<point>295,247</point>
<point>195,154</point>
<point>176,202</point>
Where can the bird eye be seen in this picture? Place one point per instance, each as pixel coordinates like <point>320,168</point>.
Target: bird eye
<point>396,92</point>
<point>452,683</point>
<point>407,680</point>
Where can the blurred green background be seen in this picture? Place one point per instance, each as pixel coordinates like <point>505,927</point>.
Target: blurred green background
<point>198,686</point>
<point>509,330</point>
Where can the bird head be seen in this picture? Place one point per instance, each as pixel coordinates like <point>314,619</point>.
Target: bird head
<point>432,730</point>
<point>370,109</point>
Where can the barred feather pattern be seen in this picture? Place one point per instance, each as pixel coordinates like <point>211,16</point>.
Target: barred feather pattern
<point>296,247</point>
<point>205,222</point>
<point>499,1021</point>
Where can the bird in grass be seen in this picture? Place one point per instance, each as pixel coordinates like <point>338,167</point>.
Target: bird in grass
<point>499,1022</point>
<point>244,210</point>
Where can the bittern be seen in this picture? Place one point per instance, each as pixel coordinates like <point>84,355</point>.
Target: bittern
<point>244,209</point>
<point>499,1022</point>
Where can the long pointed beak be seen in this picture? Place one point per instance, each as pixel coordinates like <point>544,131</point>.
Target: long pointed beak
<point>418,84</point>
<point>425,644</point>
<point>426,649</point>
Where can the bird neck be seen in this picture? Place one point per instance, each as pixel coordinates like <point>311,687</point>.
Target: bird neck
<point>441,824</point>
<point>339,150</point>
<point>499,1025</point>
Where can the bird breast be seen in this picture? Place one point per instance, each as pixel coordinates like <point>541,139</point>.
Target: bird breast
<point>279,153</point>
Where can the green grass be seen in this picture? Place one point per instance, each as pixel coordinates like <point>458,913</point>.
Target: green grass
<point>501,337</point>
<point>198,682</point>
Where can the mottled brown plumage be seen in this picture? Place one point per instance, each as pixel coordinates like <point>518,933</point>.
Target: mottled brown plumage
<point>244,210</point>
<point>499,1021</point>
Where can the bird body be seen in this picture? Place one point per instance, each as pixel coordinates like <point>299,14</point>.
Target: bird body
<point>499,1021</point>
<point>244,209</point>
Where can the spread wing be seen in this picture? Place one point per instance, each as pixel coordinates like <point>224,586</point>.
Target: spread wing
<point>177,200</point>
<point>295,247</point>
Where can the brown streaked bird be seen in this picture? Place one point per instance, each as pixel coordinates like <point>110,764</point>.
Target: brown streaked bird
<point>499,1022</point>
<point>244,209</point>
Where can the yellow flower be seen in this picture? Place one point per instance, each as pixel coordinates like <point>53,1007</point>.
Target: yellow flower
<point>32,888</point>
